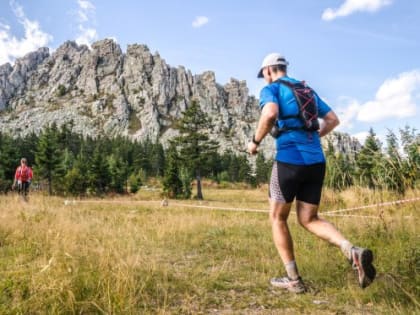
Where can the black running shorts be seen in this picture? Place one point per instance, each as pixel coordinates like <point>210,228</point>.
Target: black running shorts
<point>303,182</point>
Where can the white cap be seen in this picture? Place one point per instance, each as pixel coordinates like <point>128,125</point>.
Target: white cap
<point>272,59</point>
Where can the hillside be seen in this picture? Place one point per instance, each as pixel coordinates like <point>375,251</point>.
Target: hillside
<point>136,94</point>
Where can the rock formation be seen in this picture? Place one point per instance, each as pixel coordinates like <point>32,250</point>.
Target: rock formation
<point>105,91</point>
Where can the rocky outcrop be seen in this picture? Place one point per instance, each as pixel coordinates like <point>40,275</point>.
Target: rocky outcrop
<point>16,80</point>
<point>103,90</point>
<point>106,91</point>
<point>342,143</point>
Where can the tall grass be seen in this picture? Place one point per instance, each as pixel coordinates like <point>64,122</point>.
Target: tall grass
<point>133,257</point>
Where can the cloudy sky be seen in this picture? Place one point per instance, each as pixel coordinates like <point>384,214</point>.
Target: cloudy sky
<point>362,56</point>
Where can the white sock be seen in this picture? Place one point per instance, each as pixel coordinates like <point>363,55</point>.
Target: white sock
<point>291,269</point>
<point>345,247</point>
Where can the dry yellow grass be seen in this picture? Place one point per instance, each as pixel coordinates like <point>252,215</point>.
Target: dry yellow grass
<point>129,255</point>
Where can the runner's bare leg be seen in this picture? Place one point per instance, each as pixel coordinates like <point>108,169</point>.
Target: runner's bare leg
<point>308,217</point>
<point>279,212</point>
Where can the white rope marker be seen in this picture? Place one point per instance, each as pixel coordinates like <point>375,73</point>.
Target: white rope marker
<point>334,213</point>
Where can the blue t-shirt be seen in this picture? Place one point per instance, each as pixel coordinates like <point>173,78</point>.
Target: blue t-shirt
<point>297,147</point>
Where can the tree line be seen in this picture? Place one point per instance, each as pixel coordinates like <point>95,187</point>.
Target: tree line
<point>66,163</point>
<point>395,166</point>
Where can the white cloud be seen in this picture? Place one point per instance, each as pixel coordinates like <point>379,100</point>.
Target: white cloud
<point>12,47</point>
<point>396,98</point>
<point>347,111</point>
<point>86,35</point>
<point>199,21</point>
<point>84,8</point>
<point>352,6</point>
<point>86,15</point>
<point>85,5</point>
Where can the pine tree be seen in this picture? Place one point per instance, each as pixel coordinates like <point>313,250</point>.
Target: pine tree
<point>135,181</point>
<point>410,141</point>
<point>26,147</point>
<point>194,142</point>
<point>117,173</point>
<point>49,158</point>
<point>68,160</point>
<point>214,166</point>
<point>393,175</point>
<point>331,166</point>
<point>142,155</point>
<point>262,169</point>
<point>69,140</point>
<point>345,174</point>
<point>233,168</point>
<point>98,175</point>
<point>9,158</point>
<point>124,149</point>
<point>75,181</point>
<point>245,170</point>
<point>172,184</point>
<point>368,161</point>
<point>157,159</point>
<point>186,177</point>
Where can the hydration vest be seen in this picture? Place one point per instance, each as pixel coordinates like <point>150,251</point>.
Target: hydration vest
<point>307,108</point>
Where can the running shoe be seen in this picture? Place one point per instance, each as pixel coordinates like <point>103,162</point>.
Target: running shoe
<point>361,260</point>
<point>295,286</point>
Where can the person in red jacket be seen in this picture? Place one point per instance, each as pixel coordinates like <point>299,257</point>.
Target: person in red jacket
<point>23,177</point>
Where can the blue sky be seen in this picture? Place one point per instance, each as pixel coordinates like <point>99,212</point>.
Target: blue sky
<point>362,56</point>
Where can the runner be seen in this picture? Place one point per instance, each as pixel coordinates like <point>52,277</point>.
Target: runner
<point>289,110</point>
<point>23,178</point>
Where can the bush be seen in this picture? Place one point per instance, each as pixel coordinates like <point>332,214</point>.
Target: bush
<point>5,185</point>
<point>74,182</point>
<point>61,90</point>
<point>135,181</point>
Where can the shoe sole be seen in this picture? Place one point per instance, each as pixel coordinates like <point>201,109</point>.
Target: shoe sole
<point>368,270</point>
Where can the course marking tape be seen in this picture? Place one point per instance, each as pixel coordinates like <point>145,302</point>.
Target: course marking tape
<point>350,215</point>
<point>388,203</point>
<point>218,208</point>
<point>266,211</point>
<point>326,213</point>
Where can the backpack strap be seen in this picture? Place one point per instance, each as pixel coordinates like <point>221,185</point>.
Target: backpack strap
<point>291,86</point>
<point>300,115</point>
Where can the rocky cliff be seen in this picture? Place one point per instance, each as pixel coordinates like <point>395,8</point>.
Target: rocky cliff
<point>105,91</point>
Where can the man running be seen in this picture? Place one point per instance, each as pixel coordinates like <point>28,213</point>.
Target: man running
<point>298,172</point>
<point>23,177</point>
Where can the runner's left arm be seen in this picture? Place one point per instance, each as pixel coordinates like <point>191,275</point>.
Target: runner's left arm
<point>329,122</point>
<point>329,118</point>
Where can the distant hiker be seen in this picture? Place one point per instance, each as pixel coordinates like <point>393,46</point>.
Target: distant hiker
<point>23,177</point>
<point>289,110</point>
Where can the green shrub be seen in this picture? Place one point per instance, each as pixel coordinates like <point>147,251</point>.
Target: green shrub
<point>61,90</point>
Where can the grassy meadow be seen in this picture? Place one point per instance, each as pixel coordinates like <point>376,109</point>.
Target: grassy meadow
<point>130,255</point>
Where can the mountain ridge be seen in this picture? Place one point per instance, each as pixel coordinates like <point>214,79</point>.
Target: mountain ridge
<point>134,94</point>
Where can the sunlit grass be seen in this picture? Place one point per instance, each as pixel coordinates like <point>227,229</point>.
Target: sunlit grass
<point>129,255</point>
